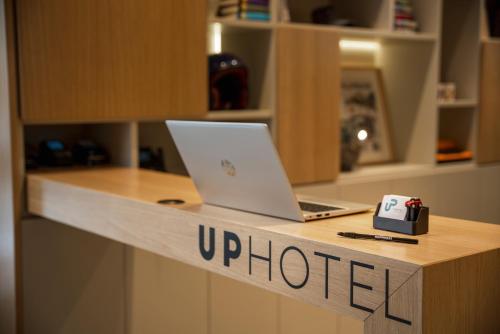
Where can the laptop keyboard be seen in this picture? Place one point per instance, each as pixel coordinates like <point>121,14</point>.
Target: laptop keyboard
<point>313,207</point>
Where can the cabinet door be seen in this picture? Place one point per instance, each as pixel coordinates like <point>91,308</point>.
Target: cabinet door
<point>308,103</point>
<point>95,60</point>
<point>488,148</point>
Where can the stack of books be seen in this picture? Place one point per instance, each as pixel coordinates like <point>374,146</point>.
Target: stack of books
<point>257,10</point>
<point>404,19</point>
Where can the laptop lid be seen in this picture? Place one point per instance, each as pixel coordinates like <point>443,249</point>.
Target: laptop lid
<point>236,165</point>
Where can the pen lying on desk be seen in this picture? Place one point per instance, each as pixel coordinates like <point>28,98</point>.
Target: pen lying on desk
<point>353,235</point>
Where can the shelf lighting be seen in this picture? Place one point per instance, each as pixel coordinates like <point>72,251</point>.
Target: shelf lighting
<point>353,45</point>
<point>216,38</point>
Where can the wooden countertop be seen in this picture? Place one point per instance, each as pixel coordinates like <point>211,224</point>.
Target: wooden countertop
<point>447,238</point>
<point>423,287</point>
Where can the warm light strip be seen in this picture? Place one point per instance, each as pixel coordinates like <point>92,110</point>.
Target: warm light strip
<point>216,38</point>
<point>352,45</point>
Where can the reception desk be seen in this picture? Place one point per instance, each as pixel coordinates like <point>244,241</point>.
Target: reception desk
<point>448,283</point>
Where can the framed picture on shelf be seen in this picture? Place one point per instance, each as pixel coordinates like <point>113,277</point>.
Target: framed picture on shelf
<point>364,114</point>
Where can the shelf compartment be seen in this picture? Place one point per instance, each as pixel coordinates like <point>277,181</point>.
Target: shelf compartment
<point>458,125</point>
<point>118,140</point>
<point>253,47</point>
<point>409,74</point>
<point>213,6</point>
<point>364,13</point>
<point>427,14</point>
<point>460,47</point>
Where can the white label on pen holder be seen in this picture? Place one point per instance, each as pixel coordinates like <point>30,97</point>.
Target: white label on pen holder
<point>393,206</point>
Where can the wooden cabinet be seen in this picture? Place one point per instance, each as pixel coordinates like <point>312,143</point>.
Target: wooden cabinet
<point>93,60</point>
<point>489,118</point>
<point>308,103</point>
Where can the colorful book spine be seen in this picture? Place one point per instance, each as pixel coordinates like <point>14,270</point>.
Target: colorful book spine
<point>244,9</point>
<point>404,18</point>
<point>255,16</point>
<point>254,8</point>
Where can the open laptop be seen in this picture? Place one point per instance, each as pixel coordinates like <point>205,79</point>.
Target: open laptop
<point>235,165</point>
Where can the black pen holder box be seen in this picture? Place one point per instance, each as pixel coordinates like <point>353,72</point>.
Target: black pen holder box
<point>419,226</point>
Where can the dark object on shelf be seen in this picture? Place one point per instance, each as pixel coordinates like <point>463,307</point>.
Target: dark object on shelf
<point>171,201</point>
<point>417,227</point>
<point>448,151</point>
<point>493,12</point>
<point>228,82</point>
<point>150,159</point>
<point>53,153</point>
<point>350,143</point>
<point>326,15</point>
<point>323,15</point>
<point>30,156</point>
<point>88,153</point>
<point>350,150</point>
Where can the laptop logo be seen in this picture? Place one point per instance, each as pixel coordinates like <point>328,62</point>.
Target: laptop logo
<point>228,167</point>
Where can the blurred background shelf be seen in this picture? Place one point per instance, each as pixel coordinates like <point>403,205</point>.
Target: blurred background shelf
<point>363,32</point>
<point>371,173</point>
<point>236,23</point>
<point>239,115</point>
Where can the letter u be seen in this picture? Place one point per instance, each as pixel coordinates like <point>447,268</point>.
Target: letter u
<point>206,254</point>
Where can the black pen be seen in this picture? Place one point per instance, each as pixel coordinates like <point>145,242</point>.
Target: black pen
<point>353,235</point>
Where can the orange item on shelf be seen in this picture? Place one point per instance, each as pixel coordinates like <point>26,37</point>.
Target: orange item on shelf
<point>448,157</point>
<point>448,151</point>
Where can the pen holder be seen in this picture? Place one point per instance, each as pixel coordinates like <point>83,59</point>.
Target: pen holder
<point>419,226</point>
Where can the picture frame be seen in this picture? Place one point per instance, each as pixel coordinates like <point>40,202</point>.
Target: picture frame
<point>363,100</point>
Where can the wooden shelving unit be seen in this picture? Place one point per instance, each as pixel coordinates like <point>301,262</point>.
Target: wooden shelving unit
<point>399,54</point>
<point>411,65</point>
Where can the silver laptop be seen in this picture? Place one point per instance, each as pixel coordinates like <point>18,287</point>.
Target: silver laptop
<point>235,165</point>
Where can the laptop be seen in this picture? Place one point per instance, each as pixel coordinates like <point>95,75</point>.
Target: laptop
<point>236,165</point>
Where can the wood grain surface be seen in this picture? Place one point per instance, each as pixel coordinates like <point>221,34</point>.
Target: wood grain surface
<point>92,60</point>
<point>462,296</point>
<point>308,103</point>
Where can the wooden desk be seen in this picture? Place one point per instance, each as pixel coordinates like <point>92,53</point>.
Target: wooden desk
<point>447,283</point>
